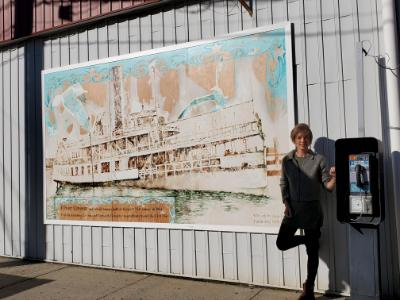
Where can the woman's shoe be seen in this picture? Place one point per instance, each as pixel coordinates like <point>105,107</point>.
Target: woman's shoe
<point>308,292</point>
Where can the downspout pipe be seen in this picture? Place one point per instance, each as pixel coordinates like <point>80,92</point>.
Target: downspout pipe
<point>391,48</point>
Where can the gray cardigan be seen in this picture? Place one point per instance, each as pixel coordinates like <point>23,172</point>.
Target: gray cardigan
<point>302,184</point>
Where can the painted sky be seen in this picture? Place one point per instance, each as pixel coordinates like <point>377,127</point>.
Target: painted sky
<point>181,83</point>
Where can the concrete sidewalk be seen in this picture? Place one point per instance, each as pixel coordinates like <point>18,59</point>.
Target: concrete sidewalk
<point>36,280</point>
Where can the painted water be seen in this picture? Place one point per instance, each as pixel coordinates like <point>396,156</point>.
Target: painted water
<point>187,207</point>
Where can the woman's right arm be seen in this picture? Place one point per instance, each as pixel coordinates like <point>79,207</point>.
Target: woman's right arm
<point>284,184</point>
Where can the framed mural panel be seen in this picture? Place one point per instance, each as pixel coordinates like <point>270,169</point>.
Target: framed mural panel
<point>187,136</point>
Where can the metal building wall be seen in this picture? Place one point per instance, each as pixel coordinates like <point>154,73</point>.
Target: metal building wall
<point>12,152</point>
<point>325,36</point>
<point>23,18</point>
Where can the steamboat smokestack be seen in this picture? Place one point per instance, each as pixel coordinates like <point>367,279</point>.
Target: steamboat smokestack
<point>117,102</point>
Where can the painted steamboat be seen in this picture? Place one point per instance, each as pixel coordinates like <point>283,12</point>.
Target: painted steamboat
<point>222,150</point>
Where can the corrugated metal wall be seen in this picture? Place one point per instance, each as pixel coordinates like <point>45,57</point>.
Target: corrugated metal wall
<point>12,152</point>
<point>23,18</point>
<point>326,33</point>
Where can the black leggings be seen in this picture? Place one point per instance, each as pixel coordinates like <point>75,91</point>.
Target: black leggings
<point>286,240</point>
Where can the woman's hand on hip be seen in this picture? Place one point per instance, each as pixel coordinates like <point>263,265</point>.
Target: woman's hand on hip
<point>287,212</point>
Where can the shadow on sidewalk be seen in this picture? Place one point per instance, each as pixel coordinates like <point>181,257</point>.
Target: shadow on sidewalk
<point>11,284</point>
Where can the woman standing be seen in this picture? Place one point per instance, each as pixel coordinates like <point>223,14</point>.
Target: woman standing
<point>303,174</point>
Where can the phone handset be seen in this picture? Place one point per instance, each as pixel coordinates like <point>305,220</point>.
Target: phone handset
<point>361,176</point>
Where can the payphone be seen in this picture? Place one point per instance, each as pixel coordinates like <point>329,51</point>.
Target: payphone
<point>359,181</point>
<point>360,197</point>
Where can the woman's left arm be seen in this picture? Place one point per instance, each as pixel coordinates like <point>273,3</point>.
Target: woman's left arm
<point>330,184</point>
<point>328,177</point>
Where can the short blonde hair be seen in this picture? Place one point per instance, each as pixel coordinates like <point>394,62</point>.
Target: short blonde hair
<point>301,128</point>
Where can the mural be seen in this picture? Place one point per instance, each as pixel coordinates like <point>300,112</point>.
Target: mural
<point>192,134</point>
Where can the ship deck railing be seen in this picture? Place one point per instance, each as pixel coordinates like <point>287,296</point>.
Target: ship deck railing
<point>172,143</point>
<point>168,169</point>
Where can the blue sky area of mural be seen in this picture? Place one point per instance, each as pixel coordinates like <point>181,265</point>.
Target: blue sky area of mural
<point>238,48</point>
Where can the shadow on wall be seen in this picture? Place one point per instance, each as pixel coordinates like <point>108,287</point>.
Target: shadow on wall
<point>396,162</point>
<point>34,229</point>
<point>333,242</point>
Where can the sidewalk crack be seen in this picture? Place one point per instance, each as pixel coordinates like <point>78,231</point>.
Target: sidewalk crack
<point>256,294</point>
<point>121,288</point>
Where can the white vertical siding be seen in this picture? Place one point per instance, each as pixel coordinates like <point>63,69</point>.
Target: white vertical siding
<point>188,253</point>
<point>164,253</point>
<point>291,269</point>
<point>176,253</point>
<point>107,256</point>
<point>14,143</point>
<point>244,253</point>
<point>325,34</point>
<point>220,13</point>
<point>140,249</point>
<point>58,242</point>
<point>168,27</point>
<point>97,246</point>
<point>202,254</point>
<point>157,30</point>
<point>234,16</point>
<point>229,257</point>
<point>207,19</point>
<point>129,248</point>
<point>275,262</point>
<point>118,247</point>
<point>7,171</point>
<point>146,40</point>
<point>87,257</point>
<point>263,12</point>
<point>215,254</point>
<point>67,243</point>
<point>83,44</point>
<point>134,35</point>
<point>296,16</point>
<point>77,244</point>
<point>259,258</point>
<point>123,37</point>
<point>22,151</point>
<point>49,243</point>
<point>74,48</point>
<point>151,250</point>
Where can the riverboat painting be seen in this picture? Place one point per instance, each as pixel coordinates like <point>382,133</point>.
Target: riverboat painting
<point>188,134</point>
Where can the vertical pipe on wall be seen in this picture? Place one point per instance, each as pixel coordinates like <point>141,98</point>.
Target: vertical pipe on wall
<point>393,103</point>
<point>360,89</point>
